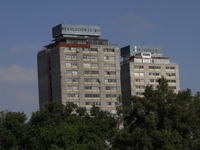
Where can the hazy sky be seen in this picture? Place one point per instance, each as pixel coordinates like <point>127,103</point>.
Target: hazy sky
<point>26,26</point>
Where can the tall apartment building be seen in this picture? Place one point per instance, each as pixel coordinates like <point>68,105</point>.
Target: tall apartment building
<point>79,67</point>
<point>142,66</point>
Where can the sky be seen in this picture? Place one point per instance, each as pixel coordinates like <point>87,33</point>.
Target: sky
<point>26,26</point>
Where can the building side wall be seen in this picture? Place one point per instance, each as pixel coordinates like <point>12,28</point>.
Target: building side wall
<point>56,74</point>
<point>44,79</point>
<point>136,76</point>
<point>141,77</point>
<point>125,51</point>
<point>177,77</point>
<point>126,84</point>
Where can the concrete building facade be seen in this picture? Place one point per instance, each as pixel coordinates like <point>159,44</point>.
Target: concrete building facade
<point>142,66</point>
<point>79,67</point>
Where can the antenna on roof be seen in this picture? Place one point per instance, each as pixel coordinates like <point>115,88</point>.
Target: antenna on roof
<point>141,40</point>
<point>142,43</point>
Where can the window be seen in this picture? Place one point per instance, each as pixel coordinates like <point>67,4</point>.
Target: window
<point>91,72</point>
<point>112,103</point>
<point>109,65</point>
<point>91,88</point>
<point>72,80</point>
<point>73,56</point>
<point>139,80</point>
<point>92,103</point>
<point>71,72</point>
<point>139,93</point>
<point>109,57</point>
<point>72,87</point>
<point>111,95</point>
<point>138,67</point>
<point>111,88</point>
<point>154,74</point>
<point>71,64</point>
<point>70,56</point>
<point>75,41</point>
<point>90,49</point>
<point>154,67</point>
<point>67,48</point>
<point>68,64</point>
<point>108,50</point>
<point>93,65</point>
<point>74,64</point>
<point>153,80</point>
<point>170,74</point>
<point>92,95</point>
<point>77,103</point>
<point>86,49</point>
<point>170,67</point>
<point>90,57</point>
<point>86,57</point>
<point>140,87</point>
<point>72,95</point>
<point>86,64</point>
<point>93,49</point>
<point>171,81</point>
<point>93,57</point>
<point>110,73</point>
<point>172,87</point>
<point>71,48</point>
<point>90,64</point>
<point>110,80</point>
<point>146,54</point>
<point>91,80</point>
<point>138,73</point>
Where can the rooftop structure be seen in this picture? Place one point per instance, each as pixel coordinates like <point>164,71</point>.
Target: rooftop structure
<point>131,50</point>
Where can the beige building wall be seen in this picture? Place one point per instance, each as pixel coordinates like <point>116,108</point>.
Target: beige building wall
<point>44,78</point>
<point>136,76</point>
<point>84,75</point>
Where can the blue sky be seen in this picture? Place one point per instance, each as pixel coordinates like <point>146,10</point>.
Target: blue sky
<point>26,25</point>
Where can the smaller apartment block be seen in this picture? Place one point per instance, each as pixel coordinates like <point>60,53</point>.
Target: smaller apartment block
<point>142,66</point>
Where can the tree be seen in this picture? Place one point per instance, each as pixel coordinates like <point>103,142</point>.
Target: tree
<point>12,130</point>
<point>161,120</point>
<point>60,126</point>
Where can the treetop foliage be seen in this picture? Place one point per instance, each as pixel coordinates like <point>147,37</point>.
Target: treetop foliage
<point>160,120</point>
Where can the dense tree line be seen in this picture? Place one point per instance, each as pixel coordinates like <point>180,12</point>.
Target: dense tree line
<point>161,120</point>
<point>57,127</point>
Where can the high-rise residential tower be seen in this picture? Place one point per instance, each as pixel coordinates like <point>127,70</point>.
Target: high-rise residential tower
<point>142,66</point>
<point>79,67</point>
